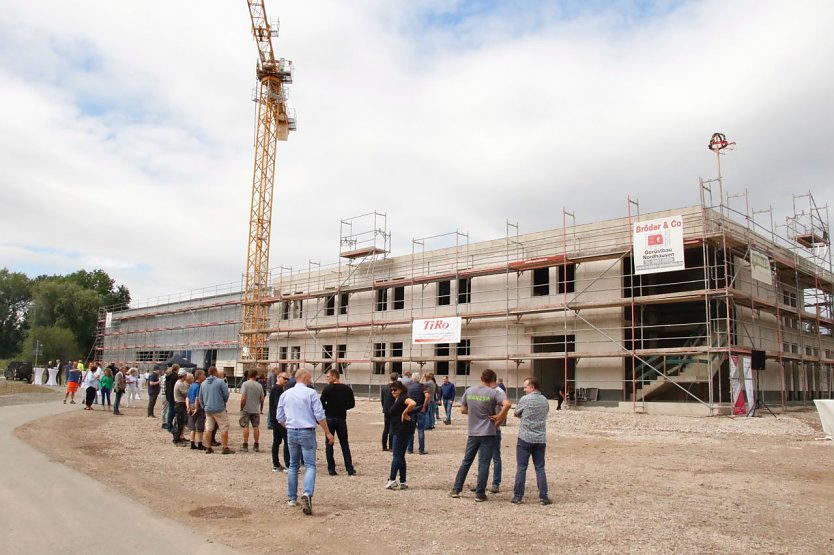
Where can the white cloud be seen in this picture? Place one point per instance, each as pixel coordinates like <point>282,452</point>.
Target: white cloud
<point>127,126</point>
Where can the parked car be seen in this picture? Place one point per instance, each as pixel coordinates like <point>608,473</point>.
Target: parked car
<point>19,370</point>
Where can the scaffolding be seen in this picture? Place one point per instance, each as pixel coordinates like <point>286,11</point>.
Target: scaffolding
<point>202,325</point>
<point>564,305</point>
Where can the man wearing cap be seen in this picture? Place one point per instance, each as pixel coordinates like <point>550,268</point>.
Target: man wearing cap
<point>180,409</point>
<point>153,390</point>
<point>300,411</point>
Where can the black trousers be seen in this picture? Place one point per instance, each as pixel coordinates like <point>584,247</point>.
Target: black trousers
<point>279,434</point>
<point>181,419</point>
<point>387,436</point>
<point>90,396</point>
<point>338,427</point>
<point>152,402</point>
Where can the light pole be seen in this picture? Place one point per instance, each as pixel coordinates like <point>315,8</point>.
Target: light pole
<point>38,346</point>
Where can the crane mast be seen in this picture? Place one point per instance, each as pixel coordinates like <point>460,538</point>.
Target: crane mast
<point>274,123</point>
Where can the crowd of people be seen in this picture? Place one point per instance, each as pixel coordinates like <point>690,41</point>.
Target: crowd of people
<point>99,385</point>
<point>194,412</point>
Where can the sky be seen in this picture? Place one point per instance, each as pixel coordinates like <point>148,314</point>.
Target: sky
<point>126,128</point>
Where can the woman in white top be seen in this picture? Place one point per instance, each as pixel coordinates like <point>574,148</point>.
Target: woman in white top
<point>132,386</point>
<point>90,386</point>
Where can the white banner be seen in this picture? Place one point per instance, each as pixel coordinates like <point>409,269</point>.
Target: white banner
<point>108,320</point>
<point>436,330</point>
<point>760,267</point>
<point>658,245</point>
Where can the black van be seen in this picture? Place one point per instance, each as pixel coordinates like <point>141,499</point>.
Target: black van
<point>19,370</point>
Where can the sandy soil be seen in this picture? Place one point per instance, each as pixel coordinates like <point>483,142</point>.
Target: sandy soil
<point>620,482</point>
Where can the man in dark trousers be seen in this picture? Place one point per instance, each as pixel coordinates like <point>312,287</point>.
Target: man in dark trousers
<point>153,390</point>
<point>337,399</point>
<point>447,395</point>
<point>279,433</point>
<point>387,400</point>
<point>171,377</point>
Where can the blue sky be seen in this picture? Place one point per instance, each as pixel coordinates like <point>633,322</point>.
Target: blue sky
<point>127,127</point>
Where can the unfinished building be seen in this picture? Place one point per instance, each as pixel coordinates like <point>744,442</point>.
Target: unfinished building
<point>566,305</point>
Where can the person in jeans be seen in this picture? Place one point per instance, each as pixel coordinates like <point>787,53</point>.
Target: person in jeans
<point>171,377</point>
<point>418,393</point>
<point>402,428</point>
<point>447,395</point>
<point>431,410</point>
<point>106,387</point>
<point>532,409</point>
<point>153,390</point>
<point>337,398</point>
<point>299,411</point>
<point>486,405</point>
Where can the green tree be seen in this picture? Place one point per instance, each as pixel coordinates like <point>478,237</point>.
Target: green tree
<point>55,343</point>
<point>100,282</point>
<point>62,303</point>
<point>15,298</point>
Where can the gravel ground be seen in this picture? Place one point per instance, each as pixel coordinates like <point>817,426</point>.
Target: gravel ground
<point>621,483</point>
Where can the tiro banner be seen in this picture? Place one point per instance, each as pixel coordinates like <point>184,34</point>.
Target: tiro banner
<point>436,330</point>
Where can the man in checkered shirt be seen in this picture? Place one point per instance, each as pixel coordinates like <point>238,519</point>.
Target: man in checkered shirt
<point>532,409</point>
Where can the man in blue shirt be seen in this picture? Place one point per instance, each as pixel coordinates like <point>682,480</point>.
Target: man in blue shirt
<point>196,413</point>
<point>299,411</point>
<point>214,393</point>
<point>447,395</point>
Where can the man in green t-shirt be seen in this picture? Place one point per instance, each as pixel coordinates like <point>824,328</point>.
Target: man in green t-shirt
<point>485,406</point>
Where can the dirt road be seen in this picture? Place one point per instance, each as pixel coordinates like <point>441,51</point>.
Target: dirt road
<point>621,483</point>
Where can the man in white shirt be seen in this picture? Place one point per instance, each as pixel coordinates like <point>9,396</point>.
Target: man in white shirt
<point>300,411</point>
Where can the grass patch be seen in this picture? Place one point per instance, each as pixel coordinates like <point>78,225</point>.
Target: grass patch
<point>13,388</point>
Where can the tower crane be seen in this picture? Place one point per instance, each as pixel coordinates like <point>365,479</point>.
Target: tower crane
<point>274,123</point>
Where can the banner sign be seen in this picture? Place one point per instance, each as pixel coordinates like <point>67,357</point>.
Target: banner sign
<point>760,267</point>
<point>108,320</point>
<point>436,330</point>
<point>739,406</point>
<point>658,245</point>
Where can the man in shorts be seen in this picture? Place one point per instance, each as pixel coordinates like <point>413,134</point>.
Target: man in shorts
<point>73,380</point>
<point>251,405</point>
<point>196,414</point>
<point>214,393</point>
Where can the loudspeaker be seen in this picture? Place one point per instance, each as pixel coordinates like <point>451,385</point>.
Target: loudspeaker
<point>757,360</point>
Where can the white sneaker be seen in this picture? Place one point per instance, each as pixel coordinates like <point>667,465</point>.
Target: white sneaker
<point>291,503</point>
<point>403,485</point>
<point>392,484</point>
